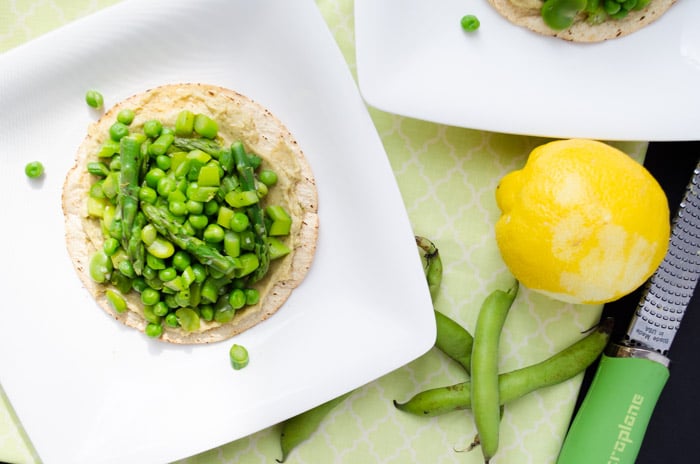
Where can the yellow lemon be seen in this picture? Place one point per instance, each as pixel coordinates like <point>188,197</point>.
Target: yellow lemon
<point>582,222</point>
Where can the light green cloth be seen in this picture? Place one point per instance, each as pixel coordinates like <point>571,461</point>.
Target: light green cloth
<point>447,177</point>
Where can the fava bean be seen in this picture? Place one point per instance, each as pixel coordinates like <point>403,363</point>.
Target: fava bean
<point>432,265</point>
<point>100,267</point>
<point>484,368</point>
<point>299,428</point>
<point>512,385</point>
<point>454,340</point>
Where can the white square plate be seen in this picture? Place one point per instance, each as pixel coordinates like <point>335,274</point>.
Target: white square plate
<point>89,390</point>
<point>414,59</point>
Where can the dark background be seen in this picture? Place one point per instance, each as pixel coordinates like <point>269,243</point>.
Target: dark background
<point>673,435</point>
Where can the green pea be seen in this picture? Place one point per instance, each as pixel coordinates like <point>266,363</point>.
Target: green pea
<point>195,207</point>
<point>154,330</point>
<point>34,169</point>
<point>237,299</point>
<point>152,128</point>
<point>94,99</point>
<point>181,260</point>
<point>118,130</point>
<point>165,186</point>
<point>198,221</point>
<point>164,162</point>
<point>148,194</point>
<point>252,296</point>
<point>239,222</point>
<point>171,320</point>
<point>110,246</point>
<point>178,208</point>
<point>239,356</point>
<point>268,177</point>
<point>126,116</point>
<point>160,309</point>
<point>211,208</point>
<point>169,273</point>
<point>470,23</point>
<point>206,312</point>
<point>150,296</point>
<point>213,233</point>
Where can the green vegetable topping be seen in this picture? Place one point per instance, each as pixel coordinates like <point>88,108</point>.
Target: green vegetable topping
<point>94,99</point>
<point>470,23</point>
<point>185,221</point>
<point>560,14</point>
<point>239,356</point>
<point>34,169</point>
<point>126,116</point>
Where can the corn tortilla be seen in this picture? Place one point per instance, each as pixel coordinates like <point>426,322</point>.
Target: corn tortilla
<point>239,118</point>
<point>581,31</point>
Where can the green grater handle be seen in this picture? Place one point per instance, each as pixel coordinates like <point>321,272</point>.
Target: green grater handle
<point>612,420</point>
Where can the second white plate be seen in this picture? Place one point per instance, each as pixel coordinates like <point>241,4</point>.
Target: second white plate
<point>414,59</point>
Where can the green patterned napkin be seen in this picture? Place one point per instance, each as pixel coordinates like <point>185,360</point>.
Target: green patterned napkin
<point>447,177</point>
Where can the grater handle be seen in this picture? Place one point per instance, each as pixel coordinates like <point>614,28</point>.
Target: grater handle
<point>612,420</point>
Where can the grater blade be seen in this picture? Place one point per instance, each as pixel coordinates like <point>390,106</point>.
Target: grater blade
<point>668,292</point>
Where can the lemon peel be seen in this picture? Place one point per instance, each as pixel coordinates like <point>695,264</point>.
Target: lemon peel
<point>581,222</point>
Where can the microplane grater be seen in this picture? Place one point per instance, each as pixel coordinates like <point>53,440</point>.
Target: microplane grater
<point>610,424</point>
<point>668,292</point>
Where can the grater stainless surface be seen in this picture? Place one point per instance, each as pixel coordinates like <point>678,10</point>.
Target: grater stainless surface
<point>612,420</point>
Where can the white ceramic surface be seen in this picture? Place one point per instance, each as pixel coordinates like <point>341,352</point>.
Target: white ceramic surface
<point>89,390</point>
<point>414,59</point>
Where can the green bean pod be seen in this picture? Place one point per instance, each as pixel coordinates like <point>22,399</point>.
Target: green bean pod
<point>433,264</point>
<point>512,385</point>
<point>484,368</point>
<point>454,340</point>
<point>299,428</point>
